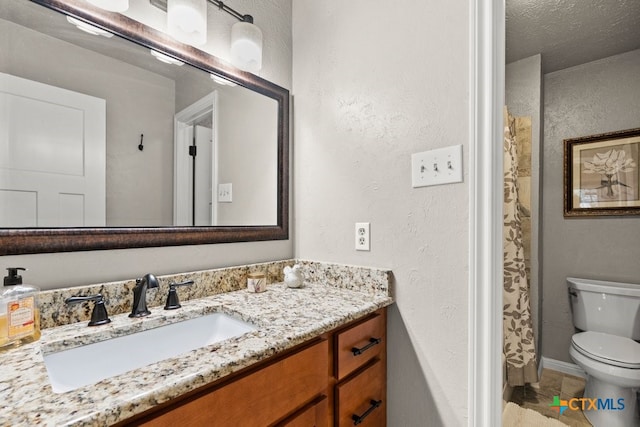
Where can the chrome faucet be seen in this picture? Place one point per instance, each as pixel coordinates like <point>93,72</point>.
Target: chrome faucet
<point>140,295</point>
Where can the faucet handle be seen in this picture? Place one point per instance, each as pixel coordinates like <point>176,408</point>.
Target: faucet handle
<point>172,298</point>
<point>99,315</point>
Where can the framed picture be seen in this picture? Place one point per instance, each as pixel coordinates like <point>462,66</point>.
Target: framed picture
<point>601,175</point>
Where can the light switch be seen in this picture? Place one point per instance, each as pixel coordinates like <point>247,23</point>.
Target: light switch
<point>436,167</point>
<point>225,193</point>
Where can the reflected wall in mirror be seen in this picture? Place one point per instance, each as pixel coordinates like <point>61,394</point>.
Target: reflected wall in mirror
<point>97,133</point>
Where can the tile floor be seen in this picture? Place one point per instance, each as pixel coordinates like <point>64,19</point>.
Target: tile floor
<point>552,384</point>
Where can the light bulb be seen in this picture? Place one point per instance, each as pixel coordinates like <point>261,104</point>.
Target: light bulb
<point>88,28</point>
<point>222,81</point>
<point>166,58</point>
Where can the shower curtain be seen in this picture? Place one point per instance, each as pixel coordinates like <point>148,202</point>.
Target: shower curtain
<point>519,344</point>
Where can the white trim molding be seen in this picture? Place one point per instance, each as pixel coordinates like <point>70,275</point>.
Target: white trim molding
<point>208,104</point>
<point>560,366</point>
<point>486,99</point>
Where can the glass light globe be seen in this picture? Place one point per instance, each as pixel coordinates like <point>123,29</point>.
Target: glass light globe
<point>187,21</point>
<point>246,46</point>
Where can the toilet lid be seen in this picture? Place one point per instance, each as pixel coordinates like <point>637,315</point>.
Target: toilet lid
<point>607,348</point>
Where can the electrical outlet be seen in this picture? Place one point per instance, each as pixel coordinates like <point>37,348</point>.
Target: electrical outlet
<point>225,193</point>
<point>362,236</point>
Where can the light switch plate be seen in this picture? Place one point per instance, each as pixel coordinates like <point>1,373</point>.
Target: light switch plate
<point>225,193</point>
<point>436,167</point>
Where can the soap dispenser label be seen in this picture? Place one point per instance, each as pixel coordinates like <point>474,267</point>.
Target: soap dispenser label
<point>21,317</point>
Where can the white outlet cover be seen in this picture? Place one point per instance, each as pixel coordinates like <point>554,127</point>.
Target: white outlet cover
<point>436,167</point>
<point>363,236</point>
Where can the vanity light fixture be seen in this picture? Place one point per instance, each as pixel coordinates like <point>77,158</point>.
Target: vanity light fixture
<point>246,40</point>
<point>166,58</point>
<point>246,45</point>
<point>111,5</point>
<point>187,21</point>
<point>87,28</point>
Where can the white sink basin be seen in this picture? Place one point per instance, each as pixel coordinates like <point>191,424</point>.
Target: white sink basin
<point>88,364</point>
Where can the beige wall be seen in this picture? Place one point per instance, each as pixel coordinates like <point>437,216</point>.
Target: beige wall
<point>373,83</point>
<point>79,268</point>
<point>247,157</point>
<point>598,97</point>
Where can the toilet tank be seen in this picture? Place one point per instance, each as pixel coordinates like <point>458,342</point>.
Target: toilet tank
<point>609,307</point>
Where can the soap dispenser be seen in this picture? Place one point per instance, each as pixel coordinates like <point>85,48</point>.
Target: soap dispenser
<point>19,316</point>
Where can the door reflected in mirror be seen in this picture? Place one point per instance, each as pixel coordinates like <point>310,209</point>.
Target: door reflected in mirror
<point>223,175</point>
<point>96,132</point>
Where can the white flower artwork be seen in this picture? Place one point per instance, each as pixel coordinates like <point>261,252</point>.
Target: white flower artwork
<point>602,174</point>
<point>609,165</point>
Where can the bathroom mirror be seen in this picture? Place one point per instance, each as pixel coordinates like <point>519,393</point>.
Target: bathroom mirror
<point>149,192</point>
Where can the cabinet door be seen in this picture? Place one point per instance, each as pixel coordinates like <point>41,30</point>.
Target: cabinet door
<point>361,400</point>
<point>259,399</point>
<point>359,344</point>
<point>314,415</point>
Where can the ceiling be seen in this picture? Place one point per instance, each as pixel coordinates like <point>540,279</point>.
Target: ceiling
<point>570,32</point>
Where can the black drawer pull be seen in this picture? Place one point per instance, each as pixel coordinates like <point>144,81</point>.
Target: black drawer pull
<point>357,419</point>
<point>372,341</point>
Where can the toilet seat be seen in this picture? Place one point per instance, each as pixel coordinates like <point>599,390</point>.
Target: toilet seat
<point>610,349</point>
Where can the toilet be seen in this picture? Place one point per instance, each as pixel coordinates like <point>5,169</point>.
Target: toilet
<point>606,347</point>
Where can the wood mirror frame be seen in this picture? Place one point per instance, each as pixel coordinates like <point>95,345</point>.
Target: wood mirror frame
<point>14,241</point>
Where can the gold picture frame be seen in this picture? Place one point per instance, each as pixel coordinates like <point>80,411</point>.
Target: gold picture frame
<point>602,174</point>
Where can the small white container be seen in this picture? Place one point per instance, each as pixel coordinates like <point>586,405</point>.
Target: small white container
<point>293,276</point>
<point>256,282</point>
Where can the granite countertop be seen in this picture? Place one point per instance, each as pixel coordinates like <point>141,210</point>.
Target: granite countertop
<point>284,317</point>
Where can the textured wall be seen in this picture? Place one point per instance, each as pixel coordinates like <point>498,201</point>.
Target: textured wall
<point>373,83</point>
<point>523,94</point>
<point>601,96</point>
<point>571,32</point>
<point>79,268</point>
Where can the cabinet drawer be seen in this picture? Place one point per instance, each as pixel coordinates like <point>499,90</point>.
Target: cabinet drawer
<point>359,344</point>
<point>258,399</point>
<point>362,400</point>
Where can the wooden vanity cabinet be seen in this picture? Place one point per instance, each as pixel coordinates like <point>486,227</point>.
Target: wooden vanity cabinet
<point>338,379</point>
<point>260,396</point>
<point>360,371</point>
<point>315,414</point>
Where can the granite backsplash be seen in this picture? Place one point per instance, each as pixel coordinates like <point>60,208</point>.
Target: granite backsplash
<point>118,295</point>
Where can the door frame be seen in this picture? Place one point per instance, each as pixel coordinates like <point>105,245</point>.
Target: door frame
<point>486,98</point>
<point>181,163</point>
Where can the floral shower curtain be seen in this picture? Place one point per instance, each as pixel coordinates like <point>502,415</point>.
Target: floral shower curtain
<point>519,343</point>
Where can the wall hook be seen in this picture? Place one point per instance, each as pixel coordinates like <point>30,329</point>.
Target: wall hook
<point>140,146</point>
